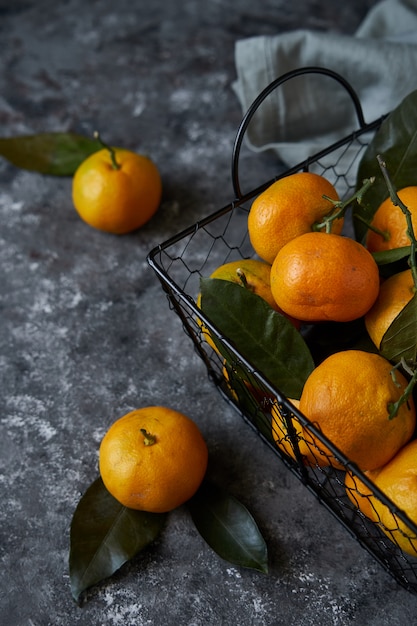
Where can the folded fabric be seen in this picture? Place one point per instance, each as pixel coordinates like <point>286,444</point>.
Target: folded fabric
<point>310,112</point>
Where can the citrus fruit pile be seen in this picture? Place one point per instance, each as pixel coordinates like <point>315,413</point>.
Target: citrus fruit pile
<point>358,400</point>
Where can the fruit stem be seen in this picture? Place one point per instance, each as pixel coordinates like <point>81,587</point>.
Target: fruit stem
<point>340,206</point>
<point>383,233</point>
<point>148,439</point>
<point>396,200</point>
<point>115,164</point>
<point>242,277</point>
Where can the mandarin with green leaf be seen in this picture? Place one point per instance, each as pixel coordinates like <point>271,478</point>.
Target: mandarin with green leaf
<point>349,397</point>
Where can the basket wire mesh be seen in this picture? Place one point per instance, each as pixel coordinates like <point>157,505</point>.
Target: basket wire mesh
<point>221,237</point>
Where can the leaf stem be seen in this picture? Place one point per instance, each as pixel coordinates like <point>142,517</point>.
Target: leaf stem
<point>396,200</point>
<point>242,277</point>
<point>115,164</point>
<point>340,206</point>
<point>383,233</point>
<point>148,439</point>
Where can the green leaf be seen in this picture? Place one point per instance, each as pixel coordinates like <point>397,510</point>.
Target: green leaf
<point>264,337</point>
<point>252,400</point>
<point>400,340</point>
<point>386,257</point>
<point>392,261</point>
<point>56,154</point>
<point>228,528</point>
<point>396,142</point>
<point>104,535</point>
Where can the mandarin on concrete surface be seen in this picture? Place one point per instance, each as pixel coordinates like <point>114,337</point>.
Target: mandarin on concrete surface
<point>116,195</point>
<point>348,397</point>
<point>153,459</point>
<point>287,208</point>
<point>324,277</point>
<point>394,294</point>
<point>391,221</point>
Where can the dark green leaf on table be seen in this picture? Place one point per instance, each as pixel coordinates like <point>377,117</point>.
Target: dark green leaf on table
<point>400,340</point>
<point>396,142</point>
<point>264,337</point>
<point>104,535</point>
<point>55,154</point>
<point>228,528</point>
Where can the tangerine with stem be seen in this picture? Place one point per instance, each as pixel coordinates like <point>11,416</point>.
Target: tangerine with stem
<point>116,190</point>
<point>289,207</point>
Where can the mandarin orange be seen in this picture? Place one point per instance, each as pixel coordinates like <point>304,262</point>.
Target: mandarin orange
<point>348,397</point>
<point>324,277</point>
<point>153,459</point>
<point>391,222</point>
<point>286,209</point>
<point>116,190</point>
<point>394,294</point>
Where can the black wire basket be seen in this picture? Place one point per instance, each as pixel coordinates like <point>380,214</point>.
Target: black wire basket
<point>221,237</point>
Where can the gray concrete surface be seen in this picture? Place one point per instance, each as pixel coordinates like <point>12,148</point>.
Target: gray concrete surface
<point>86,334</point>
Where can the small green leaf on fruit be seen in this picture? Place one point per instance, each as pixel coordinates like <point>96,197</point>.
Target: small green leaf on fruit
<point>104,535</point>
<point>228,528</point>
<point>264,337</point>
<point>55,154</point>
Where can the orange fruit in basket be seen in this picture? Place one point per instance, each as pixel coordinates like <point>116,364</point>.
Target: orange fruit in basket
<point>394,294</point>
<point>153,459</point>
<point>116,190</point>
<point>324,277</point>
<point>359,494</point>
<point>348,397</point>
<point>280,430</point>
<point>311,452</point>
<point>251,274</point>
<point>391,222</point>
<point>398,481</point>
<point>286,209</point>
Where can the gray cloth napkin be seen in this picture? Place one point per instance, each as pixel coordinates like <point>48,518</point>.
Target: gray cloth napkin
<point>311,112</point>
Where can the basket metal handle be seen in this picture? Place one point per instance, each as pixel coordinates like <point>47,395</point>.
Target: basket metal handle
<point>265,93</point>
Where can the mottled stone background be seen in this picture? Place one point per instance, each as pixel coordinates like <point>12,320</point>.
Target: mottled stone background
<point>86,334</point>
